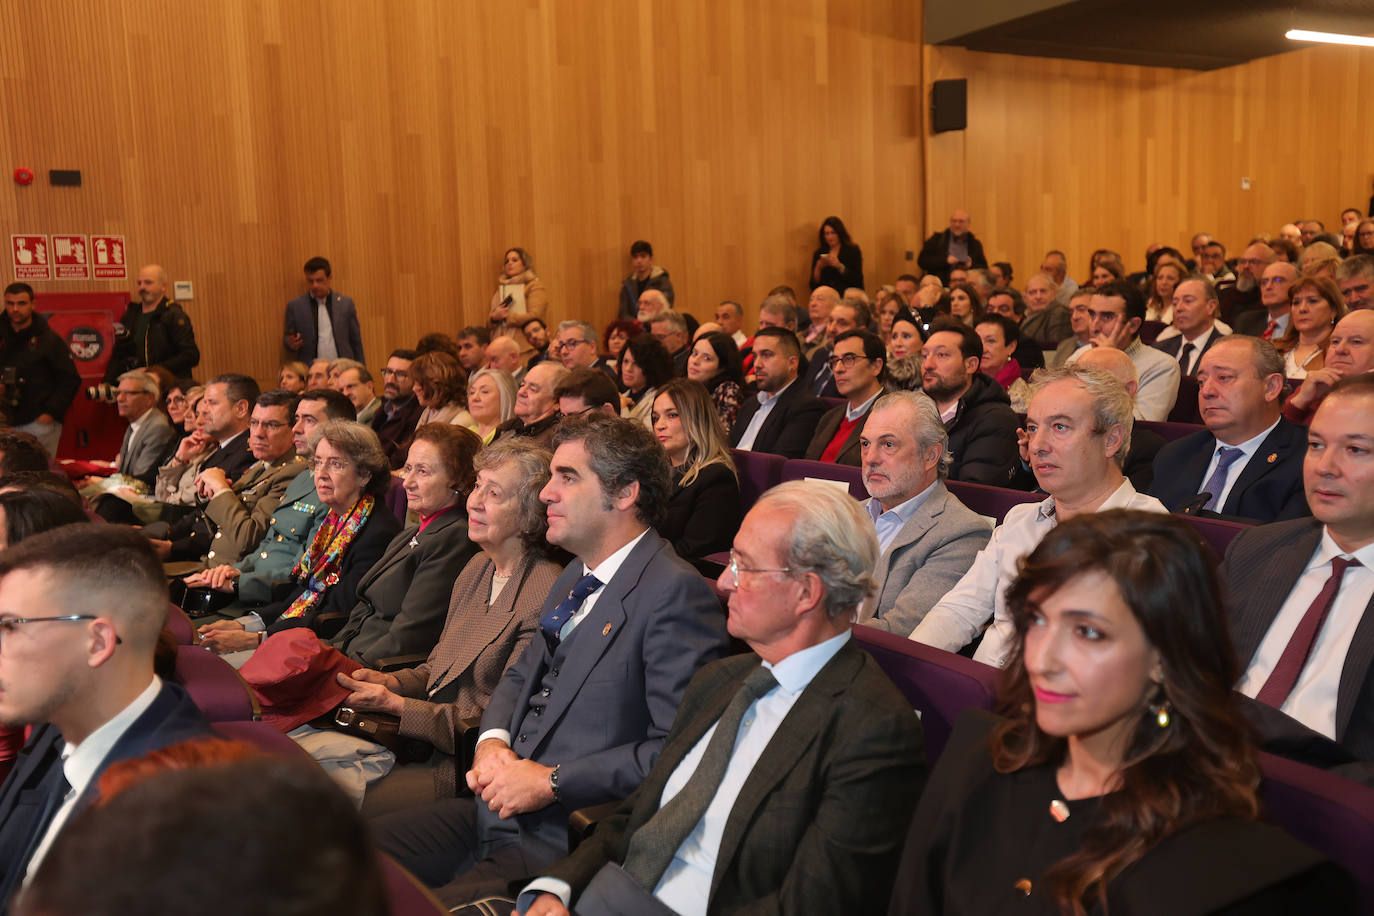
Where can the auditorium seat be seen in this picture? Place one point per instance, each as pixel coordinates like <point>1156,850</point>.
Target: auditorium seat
<point>758,472</point>
<point>832,403</point>
<point>990,502</point>
<point>215,686</point>
<point>1150,331</point>
<point>180,626</point>
<point>1168,431</point>
<point>1185,405</point>
<point>262,736</point>
<point>396,499</point>
<point>1326,811</point>
<point>405,895</point>
<point>1219,533</point>
<point>939,684</point>
<point>801,469</point>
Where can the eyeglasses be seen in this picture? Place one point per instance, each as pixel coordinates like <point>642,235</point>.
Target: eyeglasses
<point>569,344</point>
<point>270,425</point>
<point>849,359</point>
<point>736,569</point>
<point>119,393</point>
<point>335,465</point>
<point>176,399</point>
<point>7,624</point>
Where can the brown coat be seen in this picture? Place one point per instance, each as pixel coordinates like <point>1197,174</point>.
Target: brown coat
<point>536,306</point>
<point>478,644</point>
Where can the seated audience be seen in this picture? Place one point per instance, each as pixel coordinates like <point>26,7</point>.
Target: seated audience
<point>644,275</point>
<point>585,390</point>
<point>1316,307</point>
<point>472,349</point>
<point>1165,280</point>
<point>1194,311</point>
<point>1247,464</point>
<point>670,329</point>
<point>317,375</point>
<point>1244,294</point>
<point>927,539</point>
<point>1116,311</point>
<point>536,406</point>
<point>778,311</point>
<point>843,316</point>
<point>395,421</point>
<point>1000,346</point>
<point>267,567</point>
<point>610,700</point>
<point>645,366</point>
<point>1081,326</point>
<point>1056,266</point>
<point>292,377</point>
<point>503,354</point>
<point>493,611</point>
<point>704,510</point>
<point>715,364</point>
<point>1271,322</point>
<point>1117,708</point>
<point>1078,432</point>
<point>21,451</point>
<point>859,364</point>
<point>355,383</point>
<point>791,772</point>
<point>86,685</point>
<point>1350,352</point>
<point>26,512</point>
<point>1302,591</point>
<point>1106,268</point>
<point>1145,444</point>
<point>576,345</point>
<point>1047,320</point>
<point>782,417</point>
<point>614,338</point>
<point>440,387</point>
<point>965,303</point>
<point>339,366</point>
<point>730,317</point>
<point>1009,304</point>
<point>150,437</point>
<point>650,304</point>
<point>905,337</point>
<point>176,481</point>
<point>491,400</point>
<point>351,478</point>
<point>537,342</point>
<point>976,411</point>
<point>1355,277</point>
<point>180,409</point>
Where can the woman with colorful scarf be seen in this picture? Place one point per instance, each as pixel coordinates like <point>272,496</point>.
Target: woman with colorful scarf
<point>352,475</point>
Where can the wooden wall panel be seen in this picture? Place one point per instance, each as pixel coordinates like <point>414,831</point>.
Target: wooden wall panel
<point>1077,155</point>
<point>412,141</point>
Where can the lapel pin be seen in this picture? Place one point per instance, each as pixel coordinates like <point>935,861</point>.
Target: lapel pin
<point>1273,456</point>
<point>606,630</point>
<point>414,542</point>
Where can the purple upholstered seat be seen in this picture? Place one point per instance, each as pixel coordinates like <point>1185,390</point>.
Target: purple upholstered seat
<point>1169,431</point>
<point>1217,532</point>
<point>215,686</point>
<point>1185,405</point>
<point>1326,811</point>
<point>1150,331</point>
<point>180,626</point>
<point>758,472</point>
<point>405,895</point>
<point>993,502</point>
<point>938,683</point>
<point>396,499</point>
<point>800,469</point>
<point>262,736</point>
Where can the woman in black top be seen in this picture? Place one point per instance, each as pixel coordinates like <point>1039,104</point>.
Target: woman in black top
<point>838,263</point>
<point>705,511</point>
<point>1120,776</point>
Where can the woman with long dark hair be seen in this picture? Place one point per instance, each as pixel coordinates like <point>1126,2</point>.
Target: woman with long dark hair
<point>837,262</point>
<point>1119,775</point>
<point>716,363</point>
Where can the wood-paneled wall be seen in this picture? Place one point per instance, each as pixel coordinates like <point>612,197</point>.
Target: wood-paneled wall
<point>413,141</point>
<point>1077,156</point>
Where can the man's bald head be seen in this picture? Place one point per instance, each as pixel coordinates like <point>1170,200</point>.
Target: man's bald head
<point>1112,360</point>
<point>152,284</point>
<point>503,353</point>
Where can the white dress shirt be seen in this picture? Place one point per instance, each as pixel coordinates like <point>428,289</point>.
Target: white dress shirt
<point>325,348</point>
<point>766,402</point>
<point>888,524</point>
<point>981,594</point>
<point>604,572</point>
<point>81,762</point>
<point>1313,700</point>
<point>1248,449</point>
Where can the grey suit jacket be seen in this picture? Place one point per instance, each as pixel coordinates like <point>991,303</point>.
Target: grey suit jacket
<point>1260,569</point>
<point>140,455</point>
<point>613,685</point>
<point>930,554</point>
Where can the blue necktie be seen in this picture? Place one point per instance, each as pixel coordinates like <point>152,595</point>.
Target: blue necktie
<point>551,624</point>
<point>1217,482</point>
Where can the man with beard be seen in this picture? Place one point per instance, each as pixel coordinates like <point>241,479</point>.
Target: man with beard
<point>1244,295</point>
<point>44,379</point>
<point>975,410</point>
<point>782,417</point>
<point>157,331</point>
<point>394,422</point>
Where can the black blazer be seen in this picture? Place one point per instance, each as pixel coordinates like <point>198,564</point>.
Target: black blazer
<point>1260,569</point>
<point>703,517</point>
<point>1174,344</point>
<point>789,426</point>
<point>328,616</point>
<point>1269,488</point>
<point>825,431</point>
<point>814,368</point>
<point>233,459</point>
<point>172,717</point>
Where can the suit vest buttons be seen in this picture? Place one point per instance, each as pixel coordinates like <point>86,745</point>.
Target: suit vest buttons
<point>554,672</point>
<point>522,738</point>
<point>544,692</point>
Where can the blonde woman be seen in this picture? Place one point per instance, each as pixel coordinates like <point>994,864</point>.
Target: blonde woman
<point>704,511</point>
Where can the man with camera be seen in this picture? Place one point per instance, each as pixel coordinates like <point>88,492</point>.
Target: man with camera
<point>38,376</point>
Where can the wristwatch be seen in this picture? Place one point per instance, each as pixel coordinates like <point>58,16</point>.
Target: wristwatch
<point>553,782</point>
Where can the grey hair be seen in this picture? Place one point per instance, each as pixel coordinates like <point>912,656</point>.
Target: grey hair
<point>532,462</point>
<point>1357,265</point>
<point>363,448</point>
<point>588,330</point>
<point>831,536</point>
<point>343,363</point>
<point>505,385</point>
<point>146,381</point>
<point>1054,287</point>
<point>927,427</point>
<point>1112,403</point>
<point>670,317</point>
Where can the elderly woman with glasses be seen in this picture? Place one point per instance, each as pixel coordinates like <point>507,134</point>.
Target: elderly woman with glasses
<point>352,475</point>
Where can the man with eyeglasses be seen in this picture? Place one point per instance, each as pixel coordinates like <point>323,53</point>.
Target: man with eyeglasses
<point>536,404</point>
<point>289,529</point>
<point>81,608</point>
<point>791,772</point>
<point>579,719</point>
<point>394,423</point>
<point>859,363</point>
<point>576,343</point>
<point>1271,322</point>
<point>1244,295</point>
<point>585,391</point>
<point>150,434</point>
<point>845,316</point>
<point>233,515</point>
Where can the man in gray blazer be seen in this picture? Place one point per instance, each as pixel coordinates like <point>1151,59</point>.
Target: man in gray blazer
<point>150,435</point>
<point>927,539</point>
<point>322,324</point>
<point>582,716</point>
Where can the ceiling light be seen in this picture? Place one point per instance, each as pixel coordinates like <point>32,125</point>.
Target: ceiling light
<point>1329,37</point>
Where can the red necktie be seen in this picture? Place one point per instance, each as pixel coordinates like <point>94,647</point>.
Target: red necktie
<point>1269,331</point>
<point>1294,658</point>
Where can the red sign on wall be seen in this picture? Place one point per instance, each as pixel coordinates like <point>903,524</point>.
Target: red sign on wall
<point>108,257</point>
<point>30,257</point>
<point>71,257</point>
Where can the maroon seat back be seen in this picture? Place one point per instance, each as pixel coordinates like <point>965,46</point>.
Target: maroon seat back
<point>262,736</point>
<point>1185,405</point>
<point>180,626</point>
<point>758,472</point>
<point>1150,331</point>
<point>938,683</point>
<point>214,686</point>
<point>1216,532</point>
<point>1325,811</point>
<point>1169,431</point>
<point>832,403</point>
<point>396,499</point>
<point>405,895</point>
<point>801,469</point>
<point>994,502</point>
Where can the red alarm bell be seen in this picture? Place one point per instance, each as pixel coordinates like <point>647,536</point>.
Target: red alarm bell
<point>23,175</point>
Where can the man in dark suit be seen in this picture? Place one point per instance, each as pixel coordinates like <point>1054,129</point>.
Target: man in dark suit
<point>394,422</point>
<point>859,362</point>
<point>83,607</point>
<point>1195,319</point>
<point>323,324</point>
<point>581,717</point>
<point>1270,322</point>
<point>1302,591</point>
<point>782,417</point>
<point>1247,464</point>
<point>845,316</point>
<point>790,774</point>
<point>954,247</point>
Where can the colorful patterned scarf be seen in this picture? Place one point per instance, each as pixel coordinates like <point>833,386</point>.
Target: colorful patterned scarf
<point>319,565</point>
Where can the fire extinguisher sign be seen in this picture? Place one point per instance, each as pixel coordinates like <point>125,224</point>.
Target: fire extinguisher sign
<point>108,257</point>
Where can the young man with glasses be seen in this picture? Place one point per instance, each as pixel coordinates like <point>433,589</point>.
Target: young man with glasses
<point>858,361</point>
